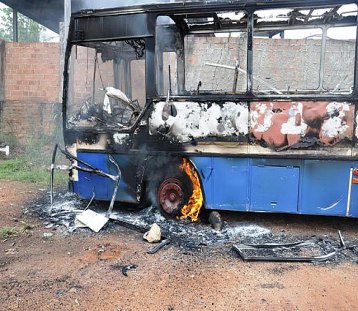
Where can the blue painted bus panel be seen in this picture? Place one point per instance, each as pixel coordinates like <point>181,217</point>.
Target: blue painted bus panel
<point>316,187</point>
<point>274,188</point>
<point>103,187</point>
<point>275,162</point>
<point>205,170</point>
<point>230,184</point>
<point>89,183</point>
<point>325,187</point>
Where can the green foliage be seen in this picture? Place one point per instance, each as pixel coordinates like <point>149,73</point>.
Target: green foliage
<point>32,163</point>
<point>5,232</point>
<point>29,30</point>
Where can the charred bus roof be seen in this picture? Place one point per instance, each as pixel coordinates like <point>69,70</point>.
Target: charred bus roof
<point>139,20</point>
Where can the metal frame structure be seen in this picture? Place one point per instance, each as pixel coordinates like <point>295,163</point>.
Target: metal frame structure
<point>294,169</point>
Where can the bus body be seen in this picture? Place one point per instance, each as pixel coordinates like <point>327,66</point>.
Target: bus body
<point>225,105</point>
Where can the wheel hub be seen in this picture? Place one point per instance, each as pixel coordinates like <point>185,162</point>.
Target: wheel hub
<point>170,195</point>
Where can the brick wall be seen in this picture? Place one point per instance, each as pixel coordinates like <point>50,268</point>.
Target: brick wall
<point>31,89</point>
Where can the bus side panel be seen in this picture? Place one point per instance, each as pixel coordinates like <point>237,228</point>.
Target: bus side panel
<point>274,185</point>
<point>103,187</point>
<point>204,166</point>
<point>87,183</point>
<point>274,188</point>
<point>325,187</point>
<point>226,182</point>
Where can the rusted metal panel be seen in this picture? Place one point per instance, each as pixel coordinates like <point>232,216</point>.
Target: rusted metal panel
<point>301,125</point>
<point>271,125</point>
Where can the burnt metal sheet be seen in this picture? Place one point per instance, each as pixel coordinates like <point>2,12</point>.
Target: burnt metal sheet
<point>301,124</point>
<point>109,27</point>
<point>242,250</point>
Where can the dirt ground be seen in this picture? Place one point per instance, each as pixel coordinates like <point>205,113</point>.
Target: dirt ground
<point>82,270</point>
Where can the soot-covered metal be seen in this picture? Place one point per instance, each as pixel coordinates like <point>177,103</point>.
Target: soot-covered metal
<point>164,91</point>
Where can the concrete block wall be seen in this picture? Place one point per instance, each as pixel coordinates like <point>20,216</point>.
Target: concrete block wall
<point>282,63</point>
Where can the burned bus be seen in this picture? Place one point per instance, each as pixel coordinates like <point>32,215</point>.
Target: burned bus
<point>231,105</point>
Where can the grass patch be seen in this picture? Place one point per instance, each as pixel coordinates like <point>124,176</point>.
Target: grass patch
<point>20,169</point>
<point>6,232</point>
<point>32,165</point>
<point>30,159</point>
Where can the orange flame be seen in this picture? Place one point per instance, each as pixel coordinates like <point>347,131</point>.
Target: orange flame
<point>195,202</point>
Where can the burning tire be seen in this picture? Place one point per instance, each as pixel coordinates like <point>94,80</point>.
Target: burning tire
<point>172,195</point>
<point>180,194</point>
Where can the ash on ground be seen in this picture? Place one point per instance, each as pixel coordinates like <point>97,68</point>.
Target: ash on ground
<point>187,235</point>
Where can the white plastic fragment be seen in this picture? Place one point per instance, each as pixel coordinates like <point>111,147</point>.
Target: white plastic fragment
<point>92,220</point>
<point>5,149</point>
<point>116,93</point>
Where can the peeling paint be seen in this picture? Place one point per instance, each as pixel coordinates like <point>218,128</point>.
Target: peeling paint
<point>100,143</point>
<point>279,125</point>
<point>295,124</point>
<point>73,150</point>
<point>301,124</point>
<point>120,138</point>
<point>199,120</point>
<point>261,119</point>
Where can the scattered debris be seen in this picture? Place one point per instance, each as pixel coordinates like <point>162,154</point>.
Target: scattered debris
<point>215,220</point>
<point>47,235</point>
<point>188,236</point>
<point>126,268</point>
<point>286,252</point>
<point>92,220</point>
<point>153,235</point>
<point>10,251</point>
<point>156,248</point>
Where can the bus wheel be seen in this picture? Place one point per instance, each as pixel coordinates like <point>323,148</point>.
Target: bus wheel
<point>171,196</point>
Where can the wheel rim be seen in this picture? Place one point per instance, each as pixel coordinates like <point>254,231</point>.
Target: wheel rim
<point>170,195</point>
